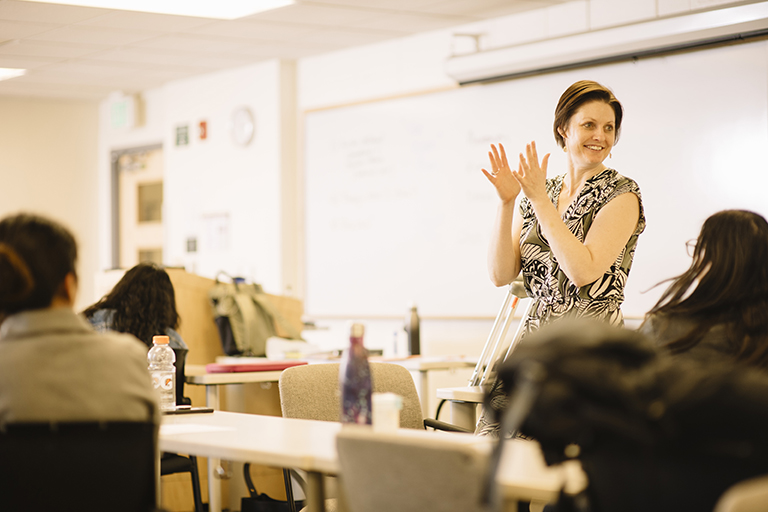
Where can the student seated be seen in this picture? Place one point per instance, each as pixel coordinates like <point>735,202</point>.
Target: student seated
<point>718,308</point>
<point>142,303</point>
<point>53,365</point>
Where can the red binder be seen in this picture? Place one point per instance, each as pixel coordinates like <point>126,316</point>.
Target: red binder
<point>261,366</point>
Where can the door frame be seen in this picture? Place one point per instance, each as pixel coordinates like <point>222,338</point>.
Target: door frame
<point>115,193</point>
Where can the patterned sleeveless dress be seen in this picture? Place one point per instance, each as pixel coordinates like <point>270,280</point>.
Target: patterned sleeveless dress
<point>553,293</point>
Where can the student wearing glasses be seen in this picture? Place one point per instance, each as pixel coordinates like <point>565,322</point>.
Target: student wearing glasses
<point>718,308</point>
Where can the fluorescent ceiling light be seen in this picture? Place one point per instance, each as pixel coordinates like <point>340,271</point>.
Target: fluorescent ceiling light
<point>8,73</point>
<point>219,9</point>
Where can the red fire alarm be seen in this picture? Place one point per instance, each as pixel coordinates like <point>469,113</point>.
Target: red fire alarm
<point>203,130</point>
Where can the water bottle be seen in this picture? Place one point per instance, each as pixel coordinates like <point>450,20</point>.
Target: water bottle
<point>355,379</point>
<point>412,328</point>
<point>161,360</point>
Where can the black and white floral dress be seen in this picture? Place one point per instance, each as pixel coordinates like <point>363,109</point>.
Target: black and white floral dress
<point>553,293</point>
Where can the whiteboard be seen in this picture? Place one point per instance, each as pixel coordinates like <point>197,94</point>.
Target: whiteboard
<point>397,209</point>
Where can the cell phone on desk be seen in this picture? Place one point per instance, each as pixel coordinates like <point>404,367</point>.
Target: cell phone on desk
<point>188,409</point>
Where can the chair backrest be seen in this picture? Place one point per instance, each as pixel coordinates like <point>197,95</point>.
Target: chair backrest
<point>88,466</point>
<point>312,392</point>
<point>382,472</point>
<point>181,362</point>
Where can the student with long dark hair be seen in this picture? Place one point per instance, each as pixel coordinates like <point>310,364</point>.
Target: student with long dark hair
<point>53,365</point>
<point>719,307</point>
<point>142,303</point>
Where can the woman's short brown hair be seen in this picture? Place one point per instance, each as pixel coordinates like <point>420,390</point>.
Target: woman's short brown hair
<point>578,94</point>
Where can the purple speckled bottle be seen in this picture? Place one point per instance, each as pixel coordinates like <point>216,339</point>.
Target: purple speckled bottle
<point>355,379</point>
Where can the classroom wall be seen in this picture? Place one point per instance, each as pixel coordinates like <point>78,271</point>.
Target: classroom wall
<point>48,165</point>
<point>229,198</point>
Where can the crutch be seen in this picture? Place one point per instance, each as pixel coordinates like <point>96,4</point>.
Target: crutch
<point>496,343</point>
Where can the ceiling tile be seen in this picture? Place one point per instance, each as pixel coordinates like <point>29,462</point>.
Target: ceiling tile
<point>478,9</point>
<point>114,81</point>
<point>392,5</point>
<point>22,29</point>
<point>316,14</point>
<point>47,13</point>
<point>46,90</point>
<point>188,43</point>
<point>254,29</point>
<point>412,23</point>
<point>201,60</point>
<point>348,37</point>
<point>49,49</point>
<point>24,62</point>
<point>294,50</point>
<point>128,20</point>
<point>93,35</point>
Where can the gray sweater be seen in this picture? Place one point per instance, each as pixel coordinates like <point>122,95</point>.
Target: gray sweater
<point>55,367</point>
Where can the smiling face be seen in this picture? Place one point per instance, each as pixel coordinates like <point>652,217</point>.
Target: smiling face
<point>590,134</point>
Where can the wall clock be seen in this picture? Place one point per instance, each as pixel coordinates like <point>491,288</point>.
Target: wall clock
<point>243,126</point>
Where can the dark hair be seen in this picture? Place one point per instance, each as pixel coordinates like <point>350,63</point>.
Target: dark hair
<point>36,254</point>
<point>578,94</point>
<point>144,303</point>
<point>727,283</point>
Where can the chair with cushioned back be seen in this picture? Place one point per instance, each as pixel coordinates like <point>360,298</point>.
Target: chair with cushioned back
<point>312,392</point>
<point>83,466</point>
<point>402,471</point>
<point>172,463</point>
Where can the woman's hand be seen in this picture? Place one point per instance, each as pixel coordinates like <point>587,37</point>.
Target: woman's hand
<point>531,175</point>
<point>501,177</point>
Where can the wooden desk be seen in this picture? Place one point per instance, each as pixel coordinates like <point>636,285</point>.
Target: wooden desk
<point>311,445</point>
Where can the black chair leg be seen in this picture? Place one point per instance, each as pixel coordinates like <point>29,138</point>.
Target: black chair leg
<point>289,489</point>
<point>196,485</point>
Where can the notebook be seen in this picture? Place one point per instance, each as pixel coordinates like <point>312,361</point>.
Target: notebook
<point>260,366</point>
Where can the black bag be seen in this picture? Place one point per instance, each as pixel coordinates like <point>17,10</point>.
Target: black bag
<point>227,338</point>
<point>261,502</point>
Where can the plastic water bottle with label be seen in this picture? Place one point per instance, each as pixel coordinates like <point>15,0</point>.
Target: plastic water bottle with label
<point>161,360</point>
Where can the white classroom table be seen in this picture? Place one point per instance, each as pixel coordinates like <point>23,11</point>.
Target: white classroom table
<point>311,446</point>
<point>419,366</point>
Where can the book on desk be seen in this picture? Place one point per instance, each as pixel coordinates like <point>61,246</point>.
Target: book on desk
<point>268,365</point>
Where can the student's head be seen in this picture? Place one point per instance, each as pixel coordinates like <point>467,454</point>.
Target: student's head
<point>37,264</point>
<point>576,96</point>
<point>143,301</point>
<point>727,283</point>
<point>730,261</point>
